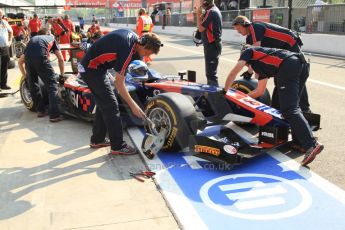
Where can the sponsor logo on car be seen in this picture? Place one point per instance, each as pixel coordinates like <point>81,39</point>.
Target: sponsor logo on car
<point>206,149</point>
<point>230,149</point>
<point>267,134</point>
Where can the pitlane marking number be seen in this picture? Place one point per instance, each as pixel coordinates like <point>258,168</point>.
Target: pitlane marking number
<point>255,196</point>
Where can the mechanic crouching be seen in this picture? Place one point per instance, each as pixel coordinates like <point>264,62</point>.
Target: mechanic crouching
<point>114,51</point>
<point>291,72</point>
<point>37,65</point>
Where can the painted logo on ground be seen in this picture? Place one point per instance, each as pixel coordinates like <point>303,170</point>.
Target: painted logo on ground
<point>255,196</point>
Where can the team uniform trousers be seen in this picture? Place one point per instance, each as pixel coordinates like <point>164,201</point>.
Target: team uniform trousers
<point>107,112</point>
<point>4,59</point>
<point>212,51</point>
<point>40,68</point>
<point>304,99</point>
<point>290,83</point>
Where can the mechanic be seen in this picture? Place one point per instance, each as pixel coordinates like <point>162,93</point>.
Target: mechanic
<point>65,36</point>
<point>210,26</point>
<point>81,22</point>
<point>34,26</point>
<point>114,50</point>
<point>57,28</point>
<point>291,72</point>
<point>19,32</point>
<point>272,36</point>
<point>37,65</point>
<point>6,36</point>
<point>144,25</point>
<point>93,28</point>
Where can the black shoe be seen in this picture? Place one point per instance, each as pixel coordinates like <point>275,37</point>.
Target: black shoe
<point>125,150</point>
<point>42,114</point>
<point>101,144</point>
<point>5,87</point>
<point>57,119</point>
<point>311,153</point>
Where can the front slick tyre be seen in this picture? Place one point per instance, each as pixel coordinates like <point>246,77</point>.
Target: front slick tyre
<point>174,112</point>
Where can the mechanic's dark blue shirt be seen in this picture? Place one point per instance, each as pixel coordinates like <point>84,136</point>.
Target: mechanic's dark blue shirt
<point>41,45</point>
<point>114,50</point>
<point>273,36</point>
<point>265,61</point>
<point>212,21</point>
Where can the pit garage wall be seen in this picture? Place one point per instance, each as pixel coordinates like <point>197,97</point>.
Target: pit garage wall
<point>315,43</point>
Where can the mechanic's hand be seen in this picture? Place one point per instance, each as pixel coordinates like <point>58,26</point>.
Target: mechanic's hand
<point>61,79</point>
<point>137,111</point>
<point>224,91</point>
<point>246,75</point>
<point>219,46</point>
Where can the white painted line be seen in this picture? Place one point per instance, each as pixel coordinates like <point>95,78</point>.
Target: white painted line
<point>252,184</point>
<point>323,184</point>
<point>326,84</point>
<point>200,53</point>
<point>179,205</point>
<point>309,54</point>
<point>269,202</point>
<point>192,161</point>
<point>235,61</point>
<point>256,193</point>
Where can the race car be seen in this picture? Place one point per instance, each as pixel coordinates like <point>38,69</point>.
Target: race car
<point>181,113</point>
<point>143,84</point>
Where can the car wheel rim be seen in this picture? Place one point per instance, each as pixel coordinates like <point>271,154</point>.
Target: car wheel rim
<point>19,50</point>
<point>161,119</point>
<point>26,94</point>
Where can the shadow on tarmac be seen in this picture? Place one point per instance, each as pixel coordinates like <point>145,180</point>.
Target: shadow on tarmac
<point>68,137</point>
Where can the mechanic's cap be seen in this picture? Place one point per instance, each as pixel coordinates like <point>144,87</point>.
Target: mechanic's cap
<point>138,70</point>
<point>241,20</point>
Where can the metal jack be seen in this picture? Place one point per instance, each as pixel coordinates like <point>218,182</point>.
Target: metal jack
<point>153,142</point>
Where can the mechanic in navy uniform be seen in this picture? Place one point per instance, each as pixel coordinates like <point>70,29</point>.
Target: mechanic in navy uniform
<point>37,65</point>
<point>210,26</point>
<point>272,36</point>
<point>291,71</point>
<point>114,51</point>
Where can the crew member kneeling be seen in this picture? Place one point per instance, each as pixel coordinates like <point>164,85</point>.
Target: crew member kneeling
<point>291,72</point>
<point>37,65</point>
